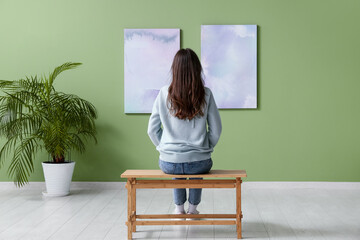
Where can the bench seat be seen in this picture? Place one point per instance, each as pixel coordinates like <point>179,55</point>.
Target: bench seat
<point>161,174</point>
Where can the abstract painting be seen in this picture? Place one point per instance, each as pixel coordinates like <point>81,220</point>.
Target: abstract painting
<point>148,55</point>
<point>228,57</point>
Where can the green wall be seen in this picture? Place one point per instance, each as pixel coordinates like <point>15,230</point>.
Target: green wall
<point>305,129</point>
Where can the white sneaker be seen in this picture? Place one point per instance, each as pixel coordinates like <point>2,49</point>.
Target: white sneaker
<point>195,212</point>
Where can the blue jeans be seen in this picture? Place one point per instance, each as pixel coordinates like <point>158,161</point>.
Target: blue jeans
<point>197,167</point>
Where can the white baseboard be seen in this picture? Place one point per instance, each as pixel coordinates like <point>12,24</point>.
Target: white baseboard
<point>295,185</point>
<point>245,185</point>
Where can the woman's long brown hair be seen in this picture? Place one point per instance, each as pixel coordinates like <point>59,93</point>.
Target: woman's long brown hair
<point>186,92</point>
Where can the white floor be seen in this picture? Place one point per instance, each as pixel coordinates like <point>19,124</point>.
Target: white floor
<point>98,211</point>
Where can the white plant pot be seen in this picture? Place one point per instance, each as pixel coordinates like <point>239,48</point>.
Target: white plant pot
<point>58,178</point>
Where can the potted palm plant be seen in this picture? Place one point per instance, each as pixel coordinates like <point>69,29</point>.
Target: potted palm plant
<point>35,117</point>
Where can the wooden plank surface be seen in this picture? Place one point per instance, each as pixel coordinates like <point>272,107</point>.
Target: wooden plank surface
<point>160,174</point>
<point>97,210</point>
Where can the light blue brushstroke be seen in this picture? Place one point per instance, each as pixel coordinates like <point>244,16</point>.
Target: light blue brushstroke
<point>129,34</point>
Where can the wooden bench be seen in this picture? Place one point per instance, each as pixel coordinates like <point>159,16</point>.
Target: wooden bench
<point>220,179</point>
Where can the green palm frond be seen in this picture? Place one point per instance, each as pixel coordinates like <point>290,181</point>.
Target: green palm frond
<point>7,148</point>
<point>60,69</point>
<point>22,163</point>
<point>33,115</point>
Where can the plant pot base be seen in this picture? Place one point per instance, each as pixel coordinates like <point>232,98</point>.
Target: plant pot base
<point>45,194</point>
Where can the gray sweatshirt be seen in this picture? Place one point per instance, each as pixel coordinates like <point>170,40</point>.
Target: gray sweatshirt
<point>180,140</point>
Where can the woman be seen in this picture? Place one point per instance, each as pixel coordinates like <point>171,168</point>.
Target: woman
<point>185,126</point>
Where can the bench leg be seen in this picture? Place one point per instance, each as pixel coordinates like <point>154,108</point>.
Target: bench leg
<point>238,208</point>
<point>133,206</point>
<point>129,223</point>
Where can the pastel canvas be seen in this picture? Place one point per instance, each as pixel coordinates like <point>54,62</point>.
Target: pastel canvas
<point>148,55</point>
<point>228,56</point>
